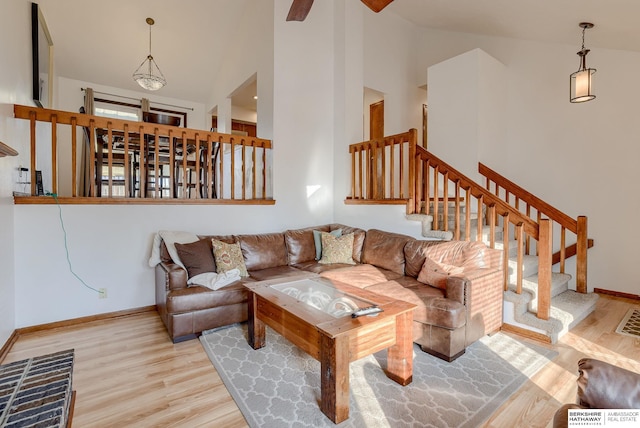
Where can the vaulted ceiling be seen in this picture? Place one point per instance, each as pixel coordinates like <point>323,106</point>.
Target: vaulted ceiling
<point>104,41</point>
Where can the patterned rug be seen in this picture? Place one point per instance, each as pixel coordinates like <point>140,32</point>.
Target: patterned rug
<point>279,385</point>
<point>630,324</point>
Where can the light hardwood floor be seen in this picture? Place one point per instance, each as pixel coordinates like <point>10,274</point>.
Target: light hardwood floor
<point>128,373</point>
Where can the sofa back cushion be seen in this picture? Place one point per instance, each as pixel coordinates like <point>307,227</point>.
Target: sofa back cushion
<point>300,244</point>
<point>358,239</point>
<point>263,251</point>
<point>385,250</point>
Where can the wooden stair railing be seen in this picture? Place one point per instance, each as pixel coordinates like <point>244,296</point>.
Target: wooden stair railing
<point>436,181</point>
<point>142,149</point>
<point>535,208</point>
<point>396,170</point>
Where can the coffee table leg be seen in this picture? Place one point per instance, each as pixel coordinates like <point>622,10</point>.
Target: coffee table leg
<point>334,377</point>
<point>400,355</point>
<point>256,326</point>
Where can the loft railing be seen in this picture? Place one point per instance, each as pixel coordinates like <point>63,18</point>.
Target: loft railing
<point>535,208</point>
<point>381,169</point>
<point>128,161</point>
<point>396,169</point>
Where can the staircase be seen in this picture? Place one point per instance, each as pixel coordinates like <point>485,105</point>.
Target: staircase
<point>567,308</point>
<point>537,299</point>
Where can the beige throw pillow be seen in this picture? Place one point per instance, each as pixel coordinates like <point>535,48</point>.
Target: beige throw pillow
<point>436,274</point>
<point>336,249</point>
<point>228,256</point>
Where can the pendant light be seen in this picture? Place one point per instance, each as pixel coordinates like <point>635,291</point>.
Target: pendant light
<point>148,75</point>
<point>582,80</point>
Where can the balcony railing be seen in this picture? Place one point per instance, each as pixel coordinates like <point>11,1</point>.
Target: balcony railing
<point>140,162</point>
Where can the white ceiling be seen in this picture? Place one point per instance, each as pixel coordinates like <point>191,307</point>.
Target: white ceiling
<point>105,41</point>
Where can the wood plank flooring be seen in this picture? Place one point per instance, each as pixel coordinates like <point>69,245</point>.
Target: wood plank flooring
<point>128,372</point>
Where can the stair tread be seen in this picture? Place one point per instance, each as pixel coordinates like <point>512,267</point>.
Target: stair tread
<point>559,284</point>
<point>566,311</point>
<point>572,307</point>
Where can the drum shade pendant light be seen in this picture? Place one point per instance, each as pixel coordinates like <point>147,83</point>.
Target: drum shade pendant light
<point>148,75</point>
<point>582,80</point>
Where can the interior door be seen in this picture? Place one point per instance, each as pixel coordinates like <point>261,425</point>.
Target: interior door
<point>376,131</point>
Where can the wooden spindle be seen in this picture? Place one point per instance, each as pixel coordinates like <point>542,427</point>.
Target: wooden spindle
<point>54,154</point>
<point>244,168</point>
<point>505,244</point>
<point>456,235</point>
<point>445,201</point>
<point>74,157</point>
<point>92,158</point>
<point>233,169</point>
<point>32,149</point>
<point>518,232</point>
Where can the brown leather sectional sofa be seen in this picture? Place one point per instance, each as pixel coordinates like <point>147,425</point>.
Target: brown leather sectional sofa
<point>445,320</point>
<point>603,386</point>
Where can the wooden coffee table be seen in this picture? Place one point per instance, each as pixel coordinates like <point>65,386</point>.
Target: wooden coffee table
<point>332,336</point>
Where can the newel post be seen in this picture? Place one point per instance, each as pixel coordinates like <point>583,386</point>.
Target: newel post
<point>545,255</point>
<point>412,205</point>
<point>581,255</point>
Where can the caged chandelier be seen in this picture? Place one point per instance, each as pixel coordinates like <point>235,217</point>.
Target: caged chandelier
<point>582,80</point>
<point>148,75</point>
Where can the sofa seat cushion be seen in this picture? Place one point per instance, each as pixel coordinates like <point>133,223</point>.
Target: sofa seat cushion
<point>197,297</point>
<point>431,305</point>
<point>315,267</point>
<point>276,272</point>
<point>361,276</point>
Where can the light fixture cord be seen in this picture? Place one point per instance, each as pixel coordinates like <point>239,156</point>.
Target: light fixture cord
<point>150,39</point>
<point>583,30</point>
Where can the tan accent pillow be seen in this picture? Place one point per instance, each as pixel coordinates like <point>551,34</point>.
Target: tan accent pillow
<point>436,274</point>
<point>228,256</point>
<point>336,249</point>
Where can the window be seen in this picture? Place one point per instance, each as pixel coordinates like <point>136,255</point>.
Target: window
<point>118,112</point>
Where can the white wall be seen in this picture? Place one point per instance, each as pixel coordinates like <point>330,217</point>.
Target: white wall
<point>467,106</point>
<point>15,87</point>
<point>581,158</point>
<point>303,117</point>
<point>109,247</point>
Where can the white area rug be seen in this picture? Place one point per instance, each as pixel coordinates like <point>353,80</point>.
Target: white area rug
<point>279,385</point>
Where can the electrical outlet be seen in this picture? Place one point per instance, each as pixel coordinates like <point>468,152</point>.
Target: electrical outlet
<point>103,293</point>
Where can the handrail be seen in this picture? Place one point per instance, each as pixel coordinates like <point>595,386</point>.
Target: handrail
<point>523,195</point>
<point>577,226</point>
<point>145,149</point>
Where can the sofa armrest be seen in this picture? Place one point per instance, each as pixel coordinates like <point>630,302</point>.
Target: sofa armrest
<point>172,276</point>
<point>459,287</point>
<point>493,258</point>
<point>481,291</point>
<point>605,386</point>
